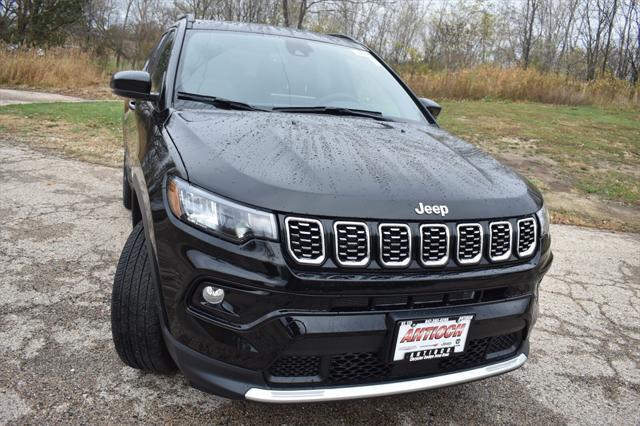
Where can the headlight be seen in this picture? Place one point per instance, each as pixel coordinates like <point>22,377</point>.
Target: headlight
<point>543,218</point>
<point>217,215</point>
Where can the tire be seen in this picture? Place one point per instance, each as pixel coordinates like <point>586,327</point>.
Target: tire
<point>127,193</point>
<point>135,314</point>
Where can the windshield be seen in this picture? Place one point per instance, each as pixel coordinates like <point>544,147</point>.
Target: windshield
<point>275,72</point>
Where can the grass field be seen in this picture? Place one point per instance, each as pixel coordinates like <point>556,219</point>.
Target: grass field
<point>594,150</point>
<point>97,115</point>
<point>89,131</point>
<point>585,159</point>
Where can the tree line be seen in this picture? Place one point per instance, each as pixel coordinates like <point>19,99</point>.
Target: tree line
<point>587,39</point>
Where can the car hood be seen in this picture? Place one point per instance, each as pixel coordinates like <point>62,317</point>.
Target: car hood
<point>321,165</point>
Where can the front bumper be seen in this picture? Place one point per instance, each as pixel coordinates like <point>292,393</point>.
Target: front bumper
<point>289,335</point>
<point>351,355</point>
<point>212,376</point>
<point>384,389</point>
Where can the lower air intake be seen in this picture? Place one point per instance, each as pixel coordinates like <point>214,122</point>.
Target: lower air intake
<point>296,366</point>
<point>357,368</point>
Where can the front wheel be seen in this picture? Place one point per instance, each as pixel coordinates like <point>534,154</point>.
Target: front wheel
<point>135,311</point>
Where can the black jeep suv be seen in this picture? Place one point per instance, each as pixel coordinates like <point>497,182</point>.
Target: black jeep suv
<point>304,230</point>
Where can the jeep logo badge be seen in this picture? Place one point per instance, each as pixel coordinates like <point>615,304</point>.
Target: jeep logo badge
<point>426,209</point>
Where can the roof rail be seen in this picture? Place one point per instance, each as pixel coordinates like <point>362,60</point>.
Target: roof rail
<point>188,16</point>
<point>346,37</point>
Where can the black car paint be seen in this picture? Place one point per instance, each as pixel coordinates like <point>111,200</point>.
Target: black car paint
<point>344,167</point>
<point>135,84</point>
<point>254,158</point>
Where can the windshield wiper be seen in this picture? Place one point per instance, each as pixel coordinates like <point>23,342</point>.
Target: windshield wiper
<point>376,115</point>
<point>217,102</point>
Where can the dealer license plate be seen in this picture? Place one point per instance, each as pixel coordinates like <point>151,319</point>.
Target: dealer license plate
<point>431,338</point>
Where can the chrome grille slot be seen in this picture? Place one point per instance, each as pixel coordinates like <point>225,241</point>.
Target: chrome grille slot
<point>305,240</point>
<point>434,245</point>
<point>351,243</point>
<point>499,241</point>
<point>527,236</point>
<point>469,243</point>
<point>395,244</point>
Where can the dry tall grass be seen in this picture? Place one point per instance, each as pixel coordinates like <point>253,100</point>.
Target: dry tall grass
<point>54,68</point>
<point>520,85</point>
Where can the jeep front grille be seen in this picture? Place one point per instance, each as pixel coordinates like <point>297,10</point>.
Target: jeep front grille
<point>527,235</point>
<point>469,243</point>
<point>395,244</point>
<point>434,245</point>
<point>306,240</point>
<point>499,241</point>
<point>351,243</point>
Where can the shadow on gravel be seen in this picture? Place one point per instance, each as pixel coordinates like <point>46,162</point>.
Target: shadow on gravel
<point>494,401</point>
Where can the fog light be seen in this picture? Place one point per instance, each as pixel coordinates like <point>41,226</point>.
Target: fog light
<point>213,295</point>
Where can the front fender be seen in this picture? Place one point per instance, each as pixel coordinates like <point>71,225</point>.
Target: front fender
<point>157,158</point>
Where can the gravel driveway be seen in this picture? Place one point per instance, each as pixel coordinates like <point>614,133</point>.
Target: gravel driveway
<point>10,96</point>
<point>61,230</point>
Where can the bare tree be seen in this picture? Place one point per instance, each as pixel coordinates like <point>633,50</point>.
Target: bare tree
<point>529,18</point>
<point>593,30</point>
<point>285,12</point>
<point>582,38</point>
<point>634,48</point>
<point>120,49</point>
<point>568,30</point>
<point>201,9</point>
<point>610,15</point>
<point>39,22</point>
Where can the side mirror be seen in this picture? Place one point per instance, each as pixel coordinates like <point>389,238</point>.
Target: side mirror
<point>133,84</point>
<point>433,107</point>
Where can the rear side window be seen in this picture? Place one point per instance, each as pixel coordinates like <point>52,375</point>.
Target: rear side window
<point>159,61</point>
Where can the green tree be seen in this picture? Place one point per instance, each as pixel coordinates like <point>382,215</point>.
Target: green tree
<point>43,22</point>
